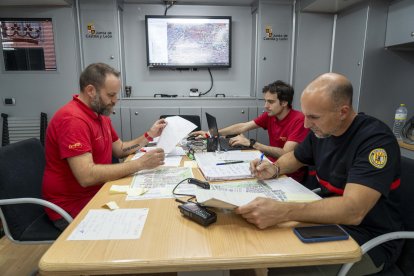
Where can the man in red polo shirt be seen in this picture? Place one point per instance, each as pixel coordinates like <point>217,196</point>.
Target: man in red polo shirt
<point>284,125</point>
<point>80,143</point>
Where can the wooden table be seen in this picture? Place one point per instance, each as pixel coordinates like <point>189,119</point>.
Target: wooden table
<point>170,242</point>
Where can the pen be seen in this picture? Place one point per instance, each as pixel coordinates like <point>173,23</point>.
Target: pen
<point>261,158</point>
<point>228,163</point>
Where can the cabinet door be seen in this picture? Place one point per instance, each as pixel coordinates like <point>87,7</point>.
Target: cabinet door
<point>116,121</point>
<point>262,134</point>
<point>349,47</point>
<point>225,116</point>
<point>99,32</point>
<point>143,118</point>
<point>274,44</point>
<point>400,23</point>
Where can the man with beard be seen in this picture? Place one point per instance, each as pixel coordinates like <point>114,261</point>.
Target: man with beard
<point>80,144</point>
<point>283,124</point>
<point>357,161</point>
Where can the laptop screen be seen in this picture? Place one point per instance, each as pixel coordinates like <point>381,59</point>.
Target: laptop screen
<point>212,125</point>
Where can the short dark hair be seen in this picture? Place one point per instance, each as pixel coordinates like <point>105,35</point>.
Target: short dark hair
<point>283,90</point>
<point>95,74</point>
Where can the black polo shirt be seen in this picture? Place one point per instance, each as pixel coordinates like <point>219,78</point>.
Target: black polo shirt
<point>367,154</point>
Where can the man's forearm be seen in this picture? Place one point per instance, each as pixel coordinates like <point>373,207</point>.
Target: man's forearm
<point>329,210</point>
<point>268,150</point>
<point>99,174</point>
<point>233,129</point>
<point>132,146</point>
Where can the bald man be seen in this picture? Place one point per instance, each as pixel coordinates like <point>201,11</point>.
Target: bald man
<point>357,161</point>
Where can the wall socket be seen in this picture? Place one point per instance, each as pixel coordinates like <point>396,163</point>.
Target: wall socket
<point>9,101</point>
<point>194,92</point>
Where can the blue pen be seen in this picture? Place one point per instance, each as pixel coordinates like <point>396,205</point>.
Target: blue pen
<point>261,158</point>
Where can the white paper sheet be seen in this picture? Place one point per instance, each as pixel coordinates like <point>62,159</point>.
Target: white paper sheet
<point>177,128</point>
<point>120,224</point>
<point>224,199</point>
<point>161,181</point>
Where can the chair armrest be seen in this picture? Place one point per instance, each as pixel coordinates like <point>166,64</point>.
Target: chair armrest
<point>376,241</point>
<point>38,201</point>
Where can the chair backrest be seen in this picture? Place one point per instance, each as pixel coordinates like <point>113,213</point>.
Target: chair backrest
<point>21,173</point>
<point>195,119</point>
<point>405,261</point>
<point>16,129</point>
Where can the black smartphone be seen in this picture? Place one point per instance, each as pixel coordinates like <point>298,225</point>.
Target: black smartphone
<point>321,233</point>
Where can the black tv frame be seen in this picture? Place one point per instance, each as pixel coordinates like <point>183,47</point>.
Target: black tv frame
<point>187,66</point>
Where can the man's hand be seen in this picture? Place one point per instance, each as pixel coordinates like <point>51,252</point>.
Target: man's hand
<point>200,134</point>
<point>239,140</point>
<point>263,212</point>
<point>157,128</point>
<point>262,169</point>
<point>152,159</point>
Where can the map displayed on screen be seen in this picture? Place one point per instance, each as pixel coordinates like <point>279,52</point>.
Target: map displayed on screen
<point>192,42</point>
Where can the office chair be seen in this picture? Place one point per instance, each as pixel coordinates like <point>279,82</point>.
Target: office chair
<point>405,262</point>
<point>21,207</point>
<point>20,128</point>
<point>195,119</point>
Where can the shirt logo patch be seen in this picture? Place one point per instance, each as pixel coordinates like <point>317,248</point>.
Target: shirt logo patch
<point>284,139</point>
<point>378,158</point>
<point>77,145</point>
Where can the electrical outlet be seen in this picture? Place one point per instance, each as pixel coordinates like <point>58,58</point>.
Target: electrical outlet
<point>9,101</point>
<point>194,94</point>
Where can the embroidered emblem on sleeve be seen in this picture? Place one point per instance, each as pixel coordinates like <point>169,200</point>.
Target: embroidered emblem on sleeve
<point>378,158</point>
<point>75,146</point>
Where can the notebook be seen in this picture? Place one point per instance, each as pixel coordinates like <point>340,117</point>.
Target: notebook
<point>224,142</point>
<point>207,162</point>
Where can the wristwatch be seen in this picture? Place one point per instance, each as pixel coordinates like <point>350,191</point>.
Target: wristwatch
<point>252,142</point>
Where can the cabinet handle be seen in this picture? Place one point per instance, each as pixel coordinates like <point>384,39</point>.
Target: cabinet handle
<point>112,57</point>
<point>359,63</point>
<point>242,112</point>
<point>136,113</point>
<point>412,34</point>
<point>114,112</point>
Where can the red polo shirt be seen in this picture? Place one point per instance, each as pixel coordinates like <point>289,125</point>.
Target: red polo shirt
<point>290,128</point>
<point>75,129</point>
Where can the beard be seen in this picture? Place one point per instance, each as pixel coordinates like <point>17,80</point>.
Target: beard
<point>99,107</point>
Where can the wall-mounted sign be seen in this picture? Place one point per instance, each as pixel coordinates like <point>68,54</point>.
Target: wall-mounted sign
<point>92,33</point>
<point>269,35</point>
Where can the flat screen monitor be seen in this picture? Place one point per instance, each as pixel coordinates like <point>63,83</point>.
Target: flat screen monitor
<point>188,41</point>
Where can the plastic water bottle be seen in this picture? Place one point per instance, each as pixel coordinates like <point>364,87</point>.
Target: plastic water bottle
<point>399,121</point>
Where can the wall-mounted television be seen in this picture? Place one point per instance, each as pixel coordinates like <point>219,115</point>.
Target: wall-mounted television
<point>188,41</point>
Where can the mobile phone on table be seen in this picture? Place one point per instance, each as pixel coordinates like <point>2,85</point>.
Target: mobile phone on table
<point>321,233</point>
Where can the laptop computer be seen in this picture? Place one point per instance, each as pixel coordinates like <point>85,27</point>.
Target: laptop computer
<point>224,142</point>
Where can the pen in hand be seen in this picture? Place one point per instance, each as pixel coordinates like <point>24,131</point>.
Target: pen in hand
<point>261,159</point>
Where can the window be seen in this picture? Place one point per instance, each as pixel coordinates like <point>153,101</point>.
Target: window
<point>28,44</point>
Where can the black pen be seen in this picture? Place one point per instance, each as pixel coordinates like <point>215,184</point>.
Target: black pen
<point>228,163</point>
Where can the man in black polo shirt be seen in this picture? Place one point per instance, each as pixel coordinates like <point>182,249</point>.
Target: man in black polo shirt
<point>357,163</point>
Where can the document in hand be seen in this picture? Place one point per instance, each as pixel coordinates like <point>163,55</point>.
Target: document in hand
<point>177,128</point>
<point>224,199</point>
<point>230,195</point>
